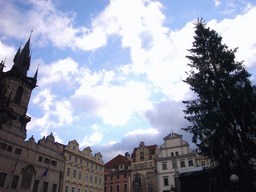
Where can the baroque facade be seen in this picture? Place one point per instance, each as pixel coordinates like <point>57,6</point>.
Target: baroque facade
<point>25,165</point>
<point>117,175</point>
<point>176,157</point>
<point>143,168</point>
<point>84,172</point>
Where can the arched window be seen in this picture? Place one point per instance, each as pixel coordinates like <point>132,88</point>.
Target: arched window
<point>19,94</point>
<point>27,177</point>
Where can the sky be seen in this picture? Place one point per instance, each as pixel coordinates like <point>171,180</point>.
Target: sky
<point>111,71</point>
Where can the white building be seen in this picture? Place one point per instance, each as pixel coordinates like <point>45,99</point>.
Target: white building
<point>175,156</point>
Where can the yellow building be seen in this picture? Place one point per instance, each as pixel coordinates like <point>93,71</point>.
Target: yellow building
<point>84,172</point>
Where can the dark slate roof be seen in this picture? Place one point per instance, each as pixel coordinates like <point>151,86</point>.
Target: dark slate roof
<point>118,160</point>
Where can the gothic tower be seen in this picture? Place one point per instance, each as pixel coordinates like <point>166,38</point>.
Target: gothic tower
<point>16,88</point>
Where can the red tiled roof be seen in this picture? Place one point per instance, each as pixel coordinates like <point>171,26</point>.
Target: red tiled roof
<point>151,148</point>
<point>118,160</point>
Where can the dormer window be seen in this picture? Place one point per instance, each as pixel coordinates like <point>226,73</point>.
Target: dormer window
<point>74,147</point>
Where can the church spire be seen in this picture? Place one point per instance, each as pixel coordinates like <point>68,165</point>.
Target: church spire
<point>22,58</point>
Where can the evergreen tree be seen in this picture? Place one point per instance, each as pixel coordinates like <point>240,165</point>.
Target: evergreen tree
<point>223,118</point>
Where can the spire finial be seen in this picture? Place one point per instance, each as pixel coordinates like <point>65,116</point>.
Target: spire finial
<point>31,33</point>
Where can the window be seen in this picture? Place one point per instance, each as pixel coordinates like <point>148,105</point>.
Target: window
<point>141,155</point>
<point>172,154</point>
<point>66,188</point>
<point>86,177</point>
<point>45,188</point>
<point>88,154</point>
<point>91,165</point>
<point>150,164</point>
<point>2,179</point>
<point>40,158</point>
<point>9,148</point>
<point>150,176</point>
<point>54,187</point>
<point>105,178</point>
<point>15,180</point>
<point>100,169</point>
<point>46,160</point>
<point>74,147</point>
<point>182,164</point>
<point>135,166</point>
<point>190,163</point>
<point>68,171</point>
<point>17,151</point>
<point>100,181</point>
<point>174,165</point>
<point>105,189</point>
<point>70,157</point>
<point>176,153</point>
<point>36,184</point>
<point>3,146</point>
<point>164,165</point>
<point>81,161</point>
<point>111,188</point>
<point>75,159</point>
<point>78,190</point>
<point>80,175</point>
<point>19,94</point>
<point>54,163</point>
<point>117,176</point>
<point>74,174</point>
<point>27,177</point>
<point>125,187</point>
<point>96,180</point>
<point>73,189</point>
<point>166,181</point>
<point>111,177</point>
<point>96,167</point>
<point>90,178</point>
<point>145,164</point>
<point>117,188</point>
<point>202,163</point>
<point>125,175</point>
<point>139,165</point>
<point>150,188</point>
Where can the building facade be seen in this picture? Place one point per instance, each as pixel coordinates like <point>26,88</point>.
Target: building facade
<point>176,157</point>
<point>143,168</point>
<point>117,175</point>
<point>24,165</point>
<point>84,172</point>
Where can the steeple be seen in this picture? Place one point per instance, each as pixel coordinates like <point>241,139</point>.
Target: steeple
<point>22,59</point>
<point>35,76</point>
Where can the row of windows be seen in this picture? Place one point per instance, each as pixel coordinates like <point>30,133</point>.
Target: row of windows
<point>141,165</point>
<point>73,189</point>
<point>79,176</point>
<point>117,177</point>
<point>174,164</point>
<point>9,148</point>
<point>111,188</point>
<point>15,181</point>
<point>76,160</point>
<point>47,161</point>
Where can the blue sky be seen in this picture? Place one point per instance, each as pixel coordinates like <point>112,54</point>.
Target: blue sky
<point>111,71</point>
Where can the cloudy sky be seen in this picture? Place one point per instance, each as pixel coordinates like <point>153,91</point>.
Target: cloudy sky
<point>111,71</point>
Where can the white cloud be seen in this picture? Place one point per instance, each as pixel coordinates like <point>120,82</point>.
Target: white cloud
<point>92,139</point>
<point>137,132</point>
<point>6,54</point>
<point>63,70</point>
<point>217,2</point>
